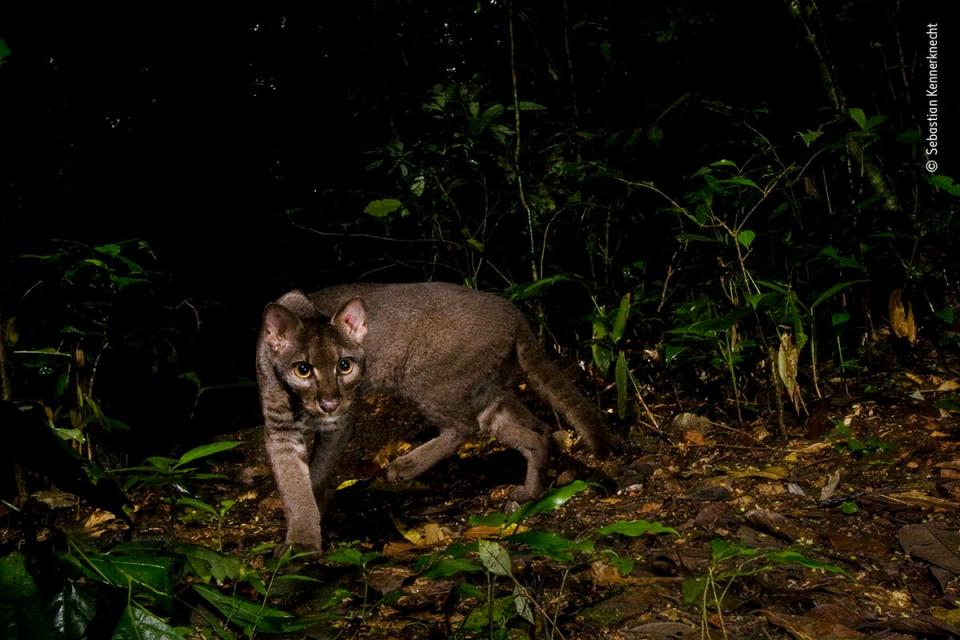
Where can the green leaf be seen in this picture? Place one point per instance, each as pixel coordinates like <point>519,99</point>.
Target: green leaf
<point>849,507</point>
<point>789,556</point>
<point>497,613</point>
<point>671,351</point>
<point>874,122</point>
<point>838,319</point>
<point>655,134</point>
<point>692,589</point>
<point>551,545</point>
<point>746,237</point>
<point>139,624</point>
<point>858,116</point>
<point>527,290</point>
<point>71,611</point>
<point>21,607</point>
<point>350,555</point>
<point>834,290</point>
<point>382,208</point>
<point>945,183</point>
<point>4,50</point>
<point>252,614</point>
<point>742,181</point>
<point>635,528</point>
<point>549,502</point>
<point>809,137</point>
<point>146,574</point>
<point>418,185</point>
<point>205,563</point>
<point>722,549</point>
<point>620,321</point>
<point>199,505</point>
<point>494,557</point>
<point>450,567</point>
<point>205,450</point>
<point>622,374</point>
<point>531,106</point>
<point>623,564</point>
<point>522,604</point>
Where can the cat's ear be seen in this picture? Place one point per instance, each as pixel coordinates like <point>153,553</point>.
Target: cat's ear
<point>297,302</point>
<point>351,320</point>
<point>280,326</point>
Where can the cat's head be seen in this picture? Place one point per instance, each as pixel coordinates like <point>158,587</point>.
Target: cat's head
<point>318,359</point>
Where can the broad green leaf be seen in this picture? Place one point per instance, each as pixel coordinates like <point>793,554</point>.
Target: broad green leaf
<point>4,50</point>
<point>789,556</point>
<point>671,351</point>
<point>723,163</point>
<point>554,499</point>
<point>490,519</point>
<point>623,564</point>
<point>692,589</point>
<point>857,115</point>
<point>551,545</point>
<point>527,290</point>
<point>874,122</point>
<point>655,134</point>
<point>252,614</point>
<point>146,574</point>
<point>346,554</point>
<point>620,321</point>
<point>809,137</point>
<point>418,185</point>
<point>746,237</point>
<point>139,624</point>
<point>21,606</point>
<point>838,319</point>
<point>205,563</point>
<point>946,183</point>
<point>451,567</point>
<point>497,612</point>
<point>531,106</point>
<point>622,374</point>
<point>383,207</point>
<point>494,557</point>
<point>71,611</point>
<point>742,181</point>
<point>199,505</point>
<point>834,290</point>
<point>522,604</point>
<point>722,549</point>
<point>205,450</point>
<point>635,528</point>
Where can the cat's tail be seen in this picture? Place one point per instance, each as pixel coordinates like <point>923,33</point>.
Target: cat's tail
<point>552,385</point>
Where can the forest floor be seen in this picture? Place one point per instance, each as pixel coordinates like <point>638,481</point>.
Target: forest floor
<point>848,527</point>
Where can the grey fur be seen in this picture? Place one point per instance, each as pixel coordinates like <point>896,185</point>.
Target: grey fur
<point>454,352</point>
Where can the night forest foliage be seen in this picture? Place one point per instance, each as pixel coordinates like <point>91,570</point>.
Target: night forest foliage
<point>723,204</point>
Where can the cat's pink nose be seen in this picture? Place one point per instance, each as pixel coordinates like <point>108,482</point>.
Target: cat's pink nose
<point>329,406</point>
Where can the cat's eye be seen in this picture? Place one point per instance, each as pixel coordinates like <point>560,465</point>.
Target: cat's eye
<point>345,366</point>
<point>302,370</point>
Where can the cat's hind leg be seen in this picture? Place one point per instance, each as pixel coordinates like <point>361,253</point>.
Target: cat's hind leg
<point>510,422</point>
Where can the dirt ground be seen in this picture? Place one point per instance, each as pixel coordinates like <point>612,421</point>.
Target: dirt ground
<point>864,490</point>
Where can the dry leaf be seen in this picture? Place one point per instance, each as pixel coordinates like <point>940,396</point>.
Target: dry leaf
<point>787,359</point>
<point>390,451</point>
<point>771,473</point>
<point>901,317</point>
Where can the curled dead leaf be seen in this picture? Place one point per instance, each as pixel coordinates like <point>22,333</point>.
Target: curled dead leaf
<point>901,317</point>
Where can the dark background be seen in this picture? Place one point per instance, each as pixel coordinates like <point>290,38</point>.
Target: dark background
<point>216,136</point>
